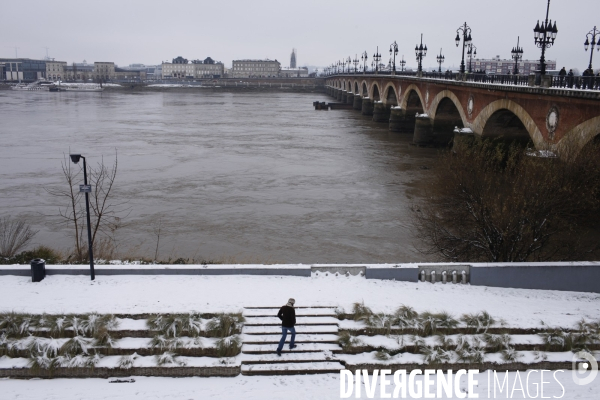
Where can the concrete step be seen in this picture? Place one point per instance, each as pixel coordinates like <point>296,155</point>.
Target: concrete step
<point>302,348</point>
<point>300,330</point>
<point>326,367</point>
<point>274,321</point>
<point>274,339</point>
<point>287,358</point>
<point>306,312</point>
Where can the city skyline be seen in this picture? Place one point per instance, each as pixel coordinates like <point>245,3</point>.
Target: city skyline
<point>142,32</point>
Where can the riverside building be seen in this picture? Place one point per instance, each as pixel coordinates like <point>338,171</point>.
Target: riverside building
<point>181,68</point>
<point>256,68</point>
<point>498,66</point>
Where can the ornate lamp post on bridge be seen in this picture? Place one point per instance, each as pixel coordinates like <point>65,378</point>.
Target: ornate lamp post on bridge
<point>420,52</point>
<point>592,34</point>
<point>394,51</point>
<point>402,64</point>
<point>472,52</point>
<point>349,63</point>
<point>517,55</point>
<point>440,60</point>
<point>376,59</point>
<point>364,58</point>
<point>466,37</point>
<point>355,62</point>
<point>544,36</point>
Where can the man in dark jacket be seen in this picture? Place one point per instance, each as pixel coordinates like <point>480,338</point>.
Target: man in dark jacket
<point>287,315</point>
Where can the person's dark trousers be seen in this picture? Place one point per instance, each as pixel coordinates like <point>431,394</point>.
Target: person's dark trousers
<point>284,332</point>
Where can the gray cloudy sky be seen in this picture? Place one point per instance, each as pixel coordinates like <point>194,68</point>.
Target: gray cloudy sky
<point>323,31</point>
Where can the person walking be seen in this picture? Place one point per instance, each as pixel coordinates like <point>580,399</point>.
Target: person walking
<point>287,315</point>
<point>570,78</point>
<point>562,74</point>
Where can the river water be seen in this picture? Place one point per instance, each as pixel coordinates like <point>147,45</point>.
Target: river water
<point>241,177</point>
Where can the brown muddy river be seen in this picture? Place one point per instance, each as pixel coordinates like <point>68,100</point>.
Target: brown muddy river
<point>246,177</point>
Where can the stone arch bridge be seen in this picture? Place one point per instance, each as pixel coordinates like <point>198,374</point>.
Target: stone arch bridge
<point>432,109</point>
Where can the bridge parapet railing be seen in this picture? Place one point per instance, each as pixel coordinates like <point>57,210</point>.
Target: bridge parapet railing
<point>576,82</point>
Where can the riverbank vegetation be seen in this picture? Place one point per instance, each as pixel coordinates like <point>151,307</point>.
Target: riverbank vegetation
<point>493,201</point>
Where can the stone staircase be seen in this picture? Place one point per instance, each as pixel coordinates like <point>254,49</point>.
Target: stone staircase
<point>316,341</point>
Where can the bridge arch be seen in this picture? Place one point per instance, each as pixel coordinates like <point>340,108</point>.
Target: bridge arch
<point>410,101</point>
<point>349,87</point>
<point>510,119</point>
<point>365,90</point>
<point>356,88</point>
<point>375,93</point>
<point>344,85</point>
<point>441,104</point>
<point>579,137</point>
<point>390,96</point>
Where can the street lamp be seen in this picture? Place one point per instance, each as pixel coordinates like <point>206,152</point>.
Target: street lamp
<point>348,62</point>
<point>466,37</point>
<point>394,52</point>
<point>472,52</point>
<point>376,59</point>
<point>420,52</point>
<point>402,63</point>
<point>517,55</point>
<point>593,33</point>
<point>364,58</point>
<point>86,189</point>
<point>355,61</point>
<point>440,60</point>
<point>544,36</point>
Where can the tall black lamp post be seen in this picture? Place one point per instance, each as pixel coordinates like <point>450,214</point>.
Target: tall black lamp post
<point>420,52</point>
<point>402,64</point>
<point>544,35</point>
<point>394,52</point>
<point>592,34</point>
<point>465,30</point>
<point>517,55</point>
<point>349,63</point>
<point>376,59</point>
<point>440,60</point>
<point>472,52</point>
<point>355,62</point>
<point>87,189</point>
<point>364,59</point>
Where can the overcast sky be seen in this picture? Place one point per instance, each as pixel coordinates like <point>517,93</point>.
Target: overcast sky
<point>322,31</point>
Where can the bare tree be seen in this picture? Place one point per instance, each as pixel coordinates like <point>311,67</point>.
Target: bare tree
<point>15,234</point>
<point>492,202</point>
<point>106,214</point>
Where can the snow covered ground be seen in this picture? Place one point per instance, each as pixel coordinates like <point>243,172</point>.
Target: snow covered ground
<point>147,294</point>
<point>322,387</point>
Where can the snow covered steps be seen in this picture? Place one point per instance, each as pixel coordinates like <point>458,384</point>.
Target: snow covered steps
<point>316,340</point>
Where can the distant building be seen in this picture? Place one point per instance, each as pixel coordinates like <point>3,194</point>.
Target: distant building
<point>56,70</point>
<point>301,72</point>
<point>256,68</point>
<point>22,69</point>
<point>499,66</point>
<point>293,59</point>
<point>180,68</point>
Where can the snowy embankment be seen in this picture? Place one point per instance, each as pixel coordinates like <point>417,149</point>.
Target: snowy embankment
<point>206,294</point>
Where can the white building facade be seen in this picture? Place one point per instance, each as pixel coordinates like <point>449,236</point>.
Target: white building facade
<point>255,68</point>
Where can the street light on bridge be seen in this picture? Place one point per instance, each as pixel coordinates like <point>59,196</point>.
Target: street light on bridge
<point>394,52</point>
<point>440,60</point>
<point>364,58</point>
<point>355,61</point>
<point>593,33</point>
<point>544,35</point>
<point>420,51</point>
<point>466,37</point>
<point>517,55</point>
<point>349,63</point>
<point>472,52</point>
<point>402,63</point>
<point>376,59</point>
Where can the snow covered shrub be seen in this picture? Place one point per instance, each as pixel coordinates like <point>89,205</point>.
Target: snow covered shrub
<point>434,354</point>
<point>445,342</point>
<point>96,324</point>
<point>224,325</point>
<point>340,313</point>
<point>510,355</point>
<point>57,325</point>
<point>165,343</point>
<point>496,343</point>
<point>479,322</point>
<point>382,355</point>
<point>16,325</point>
<point>168,358</point>
<point>229,346</point>
<point>554,338</point>
<point>587,333</point>
<point>382,322</point>
<point>39,346</point>
<point>174,325</point>
<point>361,312</point>
<point>405,317</point>
<point>430,323</point>
<point>78,361</point>
<point>348,341</point>
<point>40,362</point>
<point>76,345</point>
<point>126,362</point>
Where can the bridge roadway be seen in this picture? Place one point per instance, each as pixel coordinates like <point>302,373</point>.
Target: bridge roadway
<point>557,119</point>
